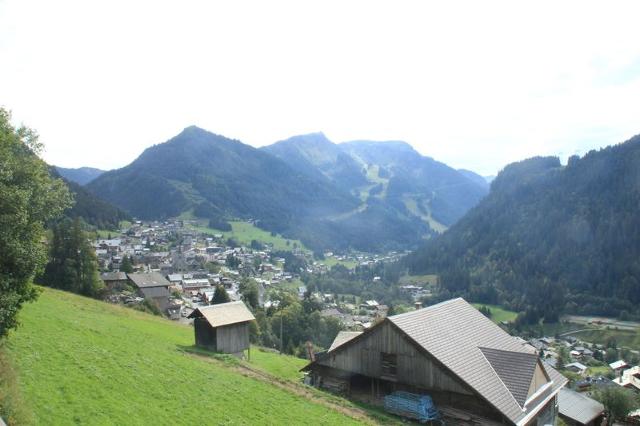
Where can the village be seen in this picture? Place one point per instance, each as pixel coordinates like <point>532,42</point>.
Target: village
<point>177,269</point>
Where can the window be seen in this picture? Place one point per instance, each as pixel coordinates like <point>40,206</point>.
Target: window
<point>389,364</point>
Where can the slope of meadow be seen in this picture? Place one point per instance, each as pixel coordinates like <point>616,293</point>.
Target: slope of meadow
<point>86,362</point>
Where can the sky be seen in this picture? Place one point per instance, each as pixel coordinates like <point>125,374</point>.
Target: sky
<point>476,85</point>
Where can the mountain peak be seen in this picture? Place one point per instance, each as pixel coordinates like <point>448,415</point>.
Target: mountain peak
<point>193,130</point>
<point>314,139</point>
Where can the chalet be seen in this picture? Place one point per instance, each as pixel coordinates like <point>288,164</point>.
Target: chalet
<point>629,379</point>
<point>451,352</point>
<point>578,409</point>
<point>195,284</point>
<point>619,366</point>
<point>576,367</point>
<point>152,286</point>
<point>223,327</point>
<point>114,280</point>
<point>175,279</point>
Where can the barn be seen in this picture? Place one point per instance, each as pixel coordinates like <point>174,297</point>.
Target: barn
<point>466,363</point>
<point>223,327</point>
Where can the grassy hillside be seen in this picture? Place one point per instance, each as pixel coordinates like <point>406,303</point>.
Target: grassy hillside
<point>498,314</point>
<point>245,232</point>
<point>87,362</point>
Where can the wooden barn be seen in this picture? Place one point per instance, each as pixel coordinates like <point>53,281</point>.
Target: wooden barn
<point>452,352</point>
<point>223,327</point>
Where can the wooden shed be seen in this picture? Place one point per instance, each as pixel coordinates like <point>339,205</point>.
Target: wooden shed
<point>223,327</point>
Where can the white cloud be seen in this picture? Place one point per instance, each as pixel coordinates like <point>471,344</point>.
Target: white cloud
<point>473,84</point>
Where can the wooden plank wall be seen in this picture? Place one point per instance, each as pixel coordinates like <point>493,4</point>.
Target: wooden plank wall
<point>233,338</point>
<point>205,334</point>
<point>414,368</point>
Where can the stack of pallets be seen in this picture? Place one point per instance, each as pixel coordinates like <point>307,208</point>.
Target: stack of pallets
<point>411,405</point>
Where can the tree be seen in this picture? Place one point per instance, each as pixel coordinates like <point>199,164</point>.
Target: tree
<point>611,355</point>
<point>232,261</point>
<point>563,358</point>
<point>250,293</point>
<point>127,265</point>
<point>617,401</point>
<point>72,262</point>
<point>220,296</point>
<point>29,198</point>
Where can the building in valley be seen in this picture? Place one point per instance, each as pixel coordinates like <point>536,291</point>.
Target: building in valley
<point>223,327</point>
<point>450,351</point>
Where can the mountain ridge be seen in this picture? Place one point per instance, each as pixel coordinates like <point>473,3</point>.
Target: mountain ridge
<point>80,175</point>
<point>563,238</point>
<point>305,187</point>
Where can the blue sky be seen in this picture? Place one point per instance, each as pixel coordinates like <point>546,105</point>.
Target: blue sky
<point>474,84</point>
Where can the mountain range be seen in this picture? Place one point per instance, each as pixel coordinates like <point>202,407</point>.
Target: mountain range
<point>360,195</point>
<point>91,208</point>
<point>549,238</point>
<point>81,175</point>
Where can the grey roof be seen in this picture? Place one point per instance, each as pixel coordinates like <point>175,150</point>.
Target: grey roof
<point>515,369</point>
<point>155,292</point>
<point>578,407</point>
<point>454,333</point>
<point>224,313</point>
<point>343,337</point>
<point>113,276</point>
<point>153,279</point>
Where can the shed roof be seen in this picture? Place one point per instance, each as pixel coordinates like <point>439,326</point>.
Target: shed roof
<point>113,276</point>
<point>577,365</point>
<point>224,313</point>
<point>578,407</point>
<point>153,279</point>
<point>466,341</point>
<point>618,364</point>
<point>343,337</point>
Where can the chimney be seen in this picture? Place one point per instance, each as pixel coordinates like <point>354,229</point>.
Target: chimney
<point>418,305</point>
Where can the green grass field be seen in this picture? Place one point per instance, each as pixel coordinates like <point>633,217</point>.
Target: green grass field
<point>623,338</point>
<point>430,280</point>
<point>498,314</point>
<point>332,261</point>
<point>245,232</point>
<point>285,367</point>
<point>81,361</point>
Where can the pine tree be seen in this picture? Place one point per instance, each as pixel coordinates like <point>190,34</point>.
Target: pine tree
<point>127,265</point>
<point>72,265</point>
<point>220,296</point>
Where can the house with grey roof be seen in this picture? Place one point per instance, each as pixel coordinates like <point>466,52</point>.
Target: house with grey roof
<point>578,409</point>
<point>152,286</point>
<point>451,352</point>
<point>114,280</point>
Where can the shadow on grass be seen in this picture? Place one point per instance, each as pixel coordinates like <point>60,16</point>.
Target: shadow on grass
<point>197,350</point>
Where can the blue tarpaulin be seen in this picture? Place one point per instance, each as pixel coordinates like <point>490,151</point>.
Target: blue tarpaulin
<point>411,405</point>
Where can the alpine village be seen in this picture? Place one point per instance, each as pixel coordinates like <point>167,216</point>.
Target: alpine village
<point>312,280</point>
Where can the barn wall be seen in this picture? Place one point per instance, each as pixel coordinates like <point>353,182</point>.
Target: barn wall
<point>233,338</point>
<point>414,368</point>
<point>205,334</point>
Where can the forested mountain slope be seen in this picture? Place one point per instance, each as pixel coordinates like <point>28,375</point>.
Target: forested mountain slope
<point>549,238</point>
<point>81,175</point>
<point>91,208</point>
<point>306,188</point>
<point>216,176</point>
